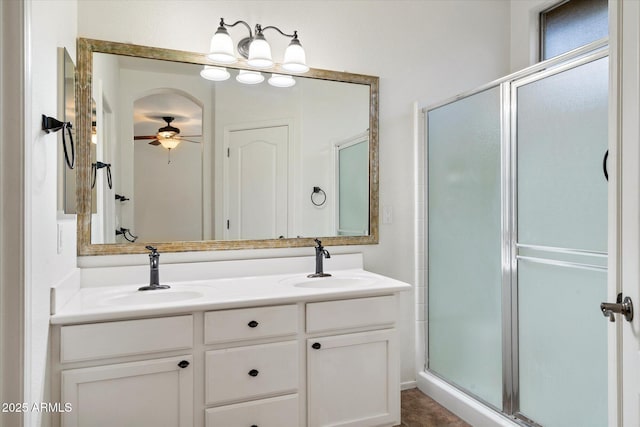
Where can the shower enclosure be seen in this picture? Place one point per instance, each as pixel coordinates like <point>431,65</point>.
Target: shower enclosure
<point>517,242</point>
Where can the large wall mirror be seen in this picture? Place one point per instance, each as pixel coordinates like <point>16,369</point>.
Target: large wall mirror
<point>169,158</point>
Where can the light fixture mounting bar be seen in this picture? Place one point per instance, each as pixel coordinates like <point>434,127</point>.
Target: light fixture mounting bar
<point>294,35</point>
<point>223,24</point>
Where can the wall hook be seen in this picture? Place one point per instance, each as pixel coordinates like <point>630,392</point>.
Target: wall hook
<point>94,169</point>
<point>126,233</point>
<point>50,124</point>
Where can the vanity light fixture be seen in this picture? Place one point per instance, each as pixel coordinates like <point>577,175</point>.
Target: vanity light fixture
<point>256,49</point>
<point>281,80</point>
<point>217,74</point>
<point>249,77</point>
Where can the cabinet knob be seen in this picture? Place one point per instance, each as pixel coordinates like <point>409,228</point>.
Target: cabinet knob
<point>183,364</point>
<point>316,346</point>
<point>254,372</point>
<point>252,324</point>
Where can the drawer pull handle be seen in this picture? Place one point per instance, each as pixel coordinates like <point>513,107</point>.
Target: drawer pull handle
<point>252,324</point>
<point>254,372</point>
<point>183,364</point>
<point>316,346</point>
<point>253,425</point>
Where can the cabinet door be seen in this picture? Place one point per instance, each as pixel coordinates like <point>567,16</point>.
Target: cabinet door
<point>147,393</point>
<point>353,380</point>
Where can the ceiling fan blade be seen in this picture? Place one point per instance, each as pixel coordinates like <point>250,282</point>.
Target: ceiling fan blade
<point>191,136</point>
<point>189,140</point>
<point>136,138</point>
<point>154,142</point>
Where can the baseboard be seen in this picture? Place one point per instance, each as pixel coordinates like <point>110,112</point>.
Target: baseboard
<point>408,385</point>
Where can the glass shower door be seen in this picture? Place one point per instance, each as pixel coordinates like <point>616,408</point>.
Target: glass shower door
<point>561,133</point>
<point>464,244</point>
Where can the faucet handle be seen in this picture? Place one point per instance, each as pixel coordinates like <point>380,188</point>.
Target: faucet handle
<point>151,248</point>
<point>318,242</point>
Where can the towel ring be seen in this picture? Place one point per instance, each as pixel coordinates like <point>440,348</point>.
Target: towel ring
<point>318,190</point>
<point>51,124</point>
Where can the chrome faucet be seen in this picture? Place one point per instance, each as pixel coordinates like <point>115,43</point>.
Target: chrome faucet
<point>321,253</point>
<point>154,277</point>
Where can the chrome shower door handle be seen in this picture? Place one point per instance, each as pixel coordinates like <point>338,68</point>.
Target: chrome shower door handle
<point>624,307</point>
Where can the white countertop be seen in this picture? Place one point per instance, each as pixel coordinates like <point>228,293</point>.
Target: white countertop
<point>102,303</point>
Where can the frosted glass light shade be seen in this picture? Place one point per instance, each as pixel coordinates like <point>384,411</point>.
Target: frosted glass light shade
<point>281,80</point>
<point>221,48</point>
<point>169,143</point>
<point>295,58</point>
<point>249,77</point>
<point>260,53</point>
<point>216,74</point>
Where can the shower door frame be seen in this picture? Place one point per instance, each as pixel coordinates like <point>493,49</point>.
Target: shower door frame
<point>508,195</point>
<point>511,399</point>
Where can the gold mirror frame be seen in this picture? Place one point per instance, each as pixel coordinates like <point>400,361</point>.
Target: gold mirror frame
<point>86,48</point>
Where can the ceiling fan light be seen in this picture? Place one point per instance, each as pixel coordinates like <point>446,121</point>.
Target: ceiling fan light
<point>281,80</point>
<point>166,134</point>
<point>221,48</point>
<point>295,58</point>
<point>216,74</point>
<point>249,77</point>
<point>169,143</point>
<point>259,53</point>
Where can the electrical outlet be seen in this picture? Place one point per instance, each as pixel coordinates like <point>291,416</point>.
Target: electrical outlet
<point>387,214</point>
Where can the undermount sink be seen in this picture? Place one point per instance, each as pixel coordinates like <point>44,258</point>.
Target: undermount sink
<point>330,282</point>
<point>159,296</point>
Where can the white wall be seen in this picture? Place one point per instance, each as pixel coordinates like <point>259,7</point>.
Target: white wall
<point>321,113</point>
<point>422,50</point>
<point>12,128</point>
<point>524,31</point>
<point>105,92</point>
<point>145,173</point>
<point>52,25</point>
<point>331,114</point>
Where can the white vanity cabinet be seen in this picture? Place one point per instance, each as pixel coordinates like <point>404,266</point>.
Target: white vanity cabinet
<point>249,382</point>
<point>316,362</point>
<point>150,391</point>
<point>353,378</point>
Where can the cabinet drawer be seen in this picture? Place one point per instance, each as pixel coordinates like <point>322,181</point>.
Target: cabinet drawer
<point>279,411</point>
<point>250,323</point>
<point>250,372</point>
<point>351,313</point>
<point>125,338</point>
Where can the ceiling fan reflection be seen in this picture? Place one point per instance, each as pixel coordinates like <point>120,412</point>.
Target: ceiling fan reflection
<point>167,136</point>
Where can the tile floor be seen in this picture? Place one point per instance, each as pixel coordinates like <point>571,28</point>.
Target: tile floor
<point>419,410</point>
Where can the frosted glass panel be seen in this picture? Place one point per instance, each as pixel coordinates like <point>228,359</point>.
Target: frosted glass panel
<point>353,189</point>
<point>573,24</point>
<point>464,244</point>
<point>563,345</point>
<point>562,140</point>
